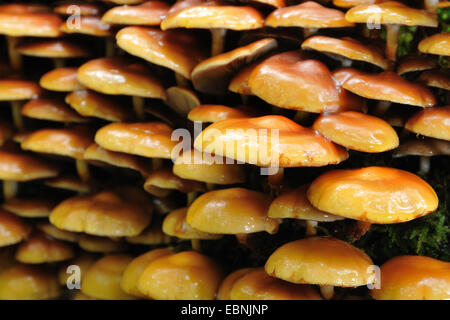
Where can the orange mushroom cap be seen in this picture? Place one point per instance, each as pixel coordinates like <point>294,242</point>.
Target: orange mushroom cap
<point>214,113</point>
<point>84,9</point>
<point>12,89</point>
<point>60,79</point>
<point>438,44</point>
<point>90,25</point>
<point>23,167</point>
<point>12,229</point>
<point>161,182</point>
<point>432,122</point>
<point>29,207</point>
<point>52,110</point>
<point>53,48</point>
<point>149,13</point>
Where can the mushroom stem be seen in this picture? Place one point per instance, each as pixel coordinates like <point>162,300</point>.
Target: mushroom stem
<point>309,32</point>
<point>327,292</point>
<point>381,108</point>
<point>59,63</point>
<point>218,41</point>
<point>10,189</point>
<point>83,170</point>
<point>301,116</point>
<point>15,59</point>
<point>392,42</point>
<point>424,164</point>
<point>110,46</point>
<point>16,109</point>
<point>181,81</point>
<point>138,106</point>
<point>191,196</point>
<point>432,5</point>
<point>311,228</point>
<point>157,163</point>
<point>195,245</point>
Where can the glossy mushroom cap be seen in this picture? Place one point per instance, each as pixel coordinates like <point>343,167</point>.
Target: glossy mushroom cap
<point>231,211</point>
<point>228,282</point>
<point>213,113</point>
<point>149,13</point>
<point>119,76</point>
<point>136,267</point>
<point>213,75</point>
<point>161,182</point>
<point>12,229</point>
<point>150,139</point>
<point>293,204</point>
<point>308,14</point>
<point>423,147</point>
<point>258,285</point>
<point>23,167</point>
<point>177,50</point>
<point>415,63</point>
<point>414,278</point>
<point>60,79</point>
<point>433,122</point>
<point>28,282</point>
<point>102,279</point>
<point>12,89</point>
<point>41,249</point>
<point>373,194</point>
<point>52,231</point>
<point>353,3</point>
<point>152,235</point>
<point>114,213</point>
<point>239,83</point>
<point>438,44</point>
<point>187,275</point>
<point>51,110</point>
<point>58,48</point>
<point>274,140</point>
<point>357,131</point>
<point>181,100</point>
<point>437,79</point>
<point>292,81</point>
<point>29,208</point>
<point>90,25</point>
<point>85,9</point>
<point>322,261</point>
<point>68,182</point>
<point>101,244</point>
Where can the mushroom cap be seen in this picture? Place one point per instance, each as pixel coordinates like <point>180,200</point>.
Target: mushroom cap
<point>182,100</point>
<point>216,112</point>
<point>415,63</point>
<point>175,225</point>
<point>100,244</point>
<point>6,132</point>
<point>391,12</point>
<point>52,48</point>
<point>102,279</point>
<point>136,267</point>
<point>60,79</point>
<point>347,47</point>
<point>194,165</point>
<point>213,75</point>
<point>239,83</point>
<point>13,229</point>
<point>177,50</point>
<point>438,44</point>
<point>28,282</point>
<point>89,25</point>
<point>92,104</point>
<point>126,1</point>
<point>51,110</point>
<point>353,3</point>
<point>85,9</point>
<point>41,249</point>
<point>294,204</point>
<point>24,8</point>
<point>187,275</point>
<point>211,15</point>
<point>113,213</point>
<point>387,86</point>
<point>258,285</point>
<point>69,142</point>
<point>149,13</point>
<point>119,76</point>
<point>373,194</point>
<point>357,131</point>
<point>292,81</point>
<point>152,235</point>
<point>231,211</point>
<point>54,232</point>
<point>96,153</point>
<point>68,182</point>
<point>432,122</point>
<point>223,293</point>
<point>423,148</point>
<point>150,139</point>
<point>308,14</point>
<point>29,208</point>
<point>414,278</point>
<point>161,182</point>
<point>321,261</point>
<point>273,140</point>
<point>435,78</point>
<point>83,261</point>
<point>23,167</point>
<point>13,90</point>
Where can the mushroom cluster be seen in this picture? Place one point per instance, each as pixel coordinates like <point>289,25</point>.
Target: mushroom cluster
<point>231,150</point>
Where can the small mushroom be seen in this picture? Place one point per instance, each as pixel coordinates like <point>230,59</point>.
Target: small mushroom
<point>149,13</point>
<point>51,109</point>
<point>431,122</point>
<point>61,79</point>
<point>102,245</point>
<point>13,229</point>
<point>181,100</point>
<point>29,207</point>
<point>228,282</point>
<point>53,232</point>
<point>438,44</point>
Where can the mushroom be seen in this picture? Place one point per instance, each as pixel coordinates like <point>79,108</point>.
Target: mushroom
<point>181,100</point>
<point>149,13</point>
<point>153,235</point>
<point>83,261</point>
<point>13,229</point>
<point>354,3</point>
<point>438,44</point>
<point>239,83</point>
<point>412,63</point>
<point>68,182</point>
<point>29,207</point>
<point>431,122</point>
<point>435,78</point>
<point>228,282</point>
<point>84,9</point>
<point>53,232</point>
<point>61,79</point>
<point>101,244</point>
<point>210,113</point>
<point>51,109</point>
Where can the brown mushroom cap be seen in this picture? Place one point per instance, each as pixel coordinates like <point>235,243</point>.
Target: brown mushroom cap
<point>294,145</point>
<point>118,76</point>
<point>85,9</point>
<point>239,83</point>
<point>60,79</point>
<point>414,278</point>
<point>58,48</point>
<point>290,80</point>
<point>435,78</point>
<point>149,13</point>
<point>227,283</point>
<point>231,211</point>
<point>177,50</point>
<point>432,122</point>
<point>29,208</point>
<point>90,25</point>
<point>373,194</point>
<point>185,275</point>
<point>67,182</point>
<point>161,182</point>
<point>23,167</point>
<point>100,244</point>
<point>24,8</point>
<point>91,104</point>
<point>12,229</point>
<point>54,232</point>
<point>415,63</point>
<point>214,113</point>
<point>438,44</point>
<point>322,261</point>
<point>151,139</point>
<point>423,147</point>
<point>357,131</point>
<point>347,47</point>
<point>182,100</point>
<point>258,285</point>
<point>213,75</point>
<point>12,90</point>
<point>308,14</point>
<point>51,110</point>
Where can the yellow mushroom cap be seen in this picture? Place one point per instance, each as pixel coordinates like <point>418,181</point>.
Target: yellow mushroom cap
<point>23,167</point>
<point>239,83</point>
<point>322,261</point>
<point>353,3</point>
<point>161,182</point>
<point>60,79</point>
<point>41,249</point>
<point>53,48</point>
<point>54,232</point>
<point>181,100</point>
<point>227,283</point>
<point>438,44</point>
<point>118,76</point>
<point>258,285</point>
<point>102,279</point>
<point>414,278</point>
<point>231,211</point>
<point>85,9</point>
<point>90,25</point>
<point>357,131</point>
<point>435,78</point>
<point>373,194</point>
<point>51,110</point>
<point>149,13</point>
<point>13,89</point>
<point>186,275</point>
<point>216,112</point>
<point>28,282</point>
<point>68,182</point>
<point>120,212</point>
<point>101,244</point>
<point>29,208</point>
<point>414,63</point>
<point>432,122</point>
<point>83,261</point>
<point>136,267</point>
<point>13,229</point>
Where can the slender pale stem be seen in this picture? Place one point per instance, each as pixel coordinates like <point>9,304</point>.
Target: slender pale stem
<point>83,170</point>
<point>195,245</point>
<point>218,41</point>
<point>392,43</point>
<point>157,163</point>
<point>191,196</point>
<point>327,292</point>
<point>59,63</point>
<point>110,46</point>
<point>381,108</point>
<point>15,58</point>
<point>10,189</point>
<point>424,164</point>
<point>311,228</point>
<point>138,106</point>
<point>16,109</point>
<point>181,81</point>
